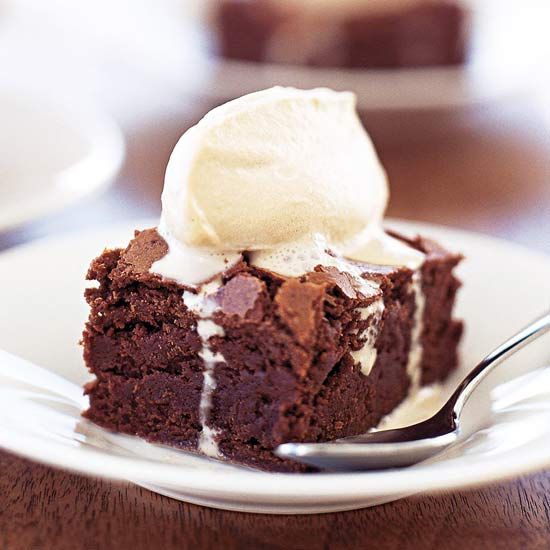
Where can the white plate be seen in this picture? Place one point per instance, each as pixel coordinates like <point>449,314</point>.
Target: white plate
<point>43,312</point>
<point>499,67</point>
<point>52,155</point>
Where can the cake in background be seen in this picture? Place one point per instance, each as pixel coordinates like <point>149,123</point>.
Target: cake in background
<point>343,33</point>
<point>269,305</point>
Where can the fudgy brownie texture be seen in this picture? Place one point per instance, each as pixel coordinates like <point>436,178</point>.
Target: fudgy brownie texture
<point>287,374</point>
<point>430,33</point>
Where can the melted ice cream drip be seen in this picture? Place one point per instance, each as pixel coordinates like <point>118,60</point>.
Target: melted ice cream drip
<point>417,407</point>
<point>204,306</point>
<point>415,351</point>
<point>302,256</point>
<point>366,356</point>
<point>189,265</point>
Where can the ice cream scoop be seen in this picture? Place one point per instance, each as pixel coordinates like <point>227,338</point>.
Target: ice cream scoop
<point>289,176</point>
<point>273,167</point>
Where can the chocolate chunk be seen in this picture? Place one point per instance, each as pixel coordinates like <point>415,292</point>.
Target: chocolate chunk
<point>332,277</point>
<point>241,296</point>
<point>144,250</point>
<point>300,306</point>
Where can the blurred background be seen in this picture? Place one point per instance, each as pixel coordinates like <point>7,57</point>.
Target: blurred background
<point>94,95</point>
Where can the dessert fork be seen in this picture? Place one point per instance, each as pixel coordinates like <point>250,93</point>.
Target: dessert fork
<point>411,444</point>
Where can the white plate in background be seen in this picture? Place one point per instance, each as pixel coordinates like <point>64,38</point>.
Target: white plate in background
<point>41,287</point>
<point>52,154</point>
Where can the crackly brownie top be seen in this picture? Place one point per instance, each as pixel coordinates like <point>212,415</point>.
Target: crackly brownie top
<point>248,292</point>
<point>148,246</point>
<point>243,293</point>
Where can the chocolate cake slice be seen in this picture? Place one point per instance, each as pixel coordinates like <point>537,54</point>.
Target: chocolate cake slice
<point>253,359</point>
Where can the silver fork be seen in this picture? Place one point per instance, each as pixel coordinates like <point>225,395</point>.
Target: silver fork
<point>412,444</point>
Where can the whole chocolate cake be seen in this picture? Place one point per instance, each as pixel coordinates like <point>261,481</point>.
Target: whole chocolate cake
<point>269,305</point>
<point>343,33</point>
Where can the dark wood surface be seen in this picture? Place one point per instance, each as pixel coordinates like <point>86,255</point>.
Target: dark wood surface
<point>486,169</point>
<point>42,508</point>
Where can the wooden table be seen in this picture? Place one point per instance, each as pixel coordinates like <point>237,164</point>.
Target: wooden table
<point>486,169</point>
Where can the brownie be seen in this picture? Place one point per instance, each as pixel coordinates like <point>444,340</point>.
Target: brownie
<point>425,34</point>
<point>289,361</point>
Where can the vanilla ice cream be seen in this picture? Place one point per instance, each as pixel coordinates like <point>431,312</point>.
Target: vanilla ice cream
<point>284,173</point>
<point>272,167</point>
